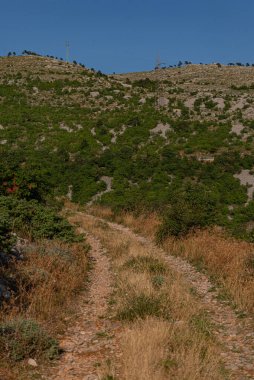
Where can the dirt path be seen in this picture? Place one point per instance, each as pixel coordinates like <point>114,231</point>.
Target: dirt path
<point>91,343</point>
<point>235,334</point>
<point>108,181</point>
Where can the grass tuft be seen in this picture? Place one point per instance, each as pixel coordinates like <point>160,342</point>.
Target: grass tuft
<point>146,263</point>
<point>141,306</point>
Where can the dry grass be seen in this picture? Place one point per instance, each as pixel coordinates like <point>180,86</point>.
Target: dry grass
<point>47,280</point>
<point>229,261</point>
<point>148,349</point>
<point>101,212</point>
<point>146,224</point>
<point>158,312</point>
<point>164,354</point>
<point>6,374</point>
<point>64,275</point>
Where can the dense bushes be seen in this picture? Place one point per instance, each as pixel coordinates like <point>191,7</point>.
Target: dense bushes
<point>145,83</point>
<point>192,207</point>
<point>32,219</point>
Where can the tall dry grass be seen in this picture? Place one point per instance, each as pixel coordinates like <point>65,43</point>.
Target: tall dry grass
<point>228,261</point>
<point>147,224</point>
<point>150,349</point>
<point>166,332</point>
<point>154,349</point>
<point>48,281</point>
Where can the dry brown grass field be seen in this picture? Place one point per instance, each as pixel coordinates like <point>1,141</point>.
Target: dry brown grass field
<point>227,260</point>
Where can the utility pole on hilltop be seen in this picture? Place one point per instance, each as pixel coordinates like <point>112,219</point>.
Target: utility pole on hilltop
<point>158,63</point>
<point>67,46</point>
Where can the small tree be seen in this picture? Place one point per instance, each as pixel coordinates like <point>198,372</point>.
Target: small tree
<point>193,206</point>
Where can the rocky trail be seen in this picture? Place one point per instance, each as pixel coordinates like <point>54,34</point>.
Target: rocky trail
<point>94,341</point>
<point>91,343</point>
<point>108,183</point>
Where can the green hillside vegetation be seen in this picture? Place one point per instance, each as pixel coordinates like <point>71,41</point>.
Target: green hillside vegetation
<point>64,125</point>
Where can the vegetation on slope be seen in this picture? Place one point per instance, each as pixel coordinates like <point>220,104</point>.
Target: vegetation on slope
<point>178,142</point>
<point>66,126</point>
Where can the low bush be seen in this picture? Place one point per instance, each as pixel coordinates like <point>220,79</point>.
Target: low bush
<point>47,224</point>
<point>22,338</point>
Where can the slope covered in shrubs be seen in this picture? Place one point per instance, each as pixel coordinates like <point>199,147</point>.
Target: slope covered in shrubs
<point>176,142</point>
<point>63,127</point>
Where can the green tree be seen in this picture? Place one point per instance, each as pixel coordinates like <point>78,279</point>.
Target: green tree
<point>193,206</point>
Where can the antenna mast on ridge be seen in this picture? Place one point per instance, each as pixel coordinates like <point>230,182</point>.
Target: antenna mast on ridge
<point>67,46</point>
<point>158,64</point>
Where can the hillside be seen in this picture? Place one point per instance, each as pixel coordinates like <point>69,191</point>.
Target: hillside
<point>170,155</point>
<point>153,134</point>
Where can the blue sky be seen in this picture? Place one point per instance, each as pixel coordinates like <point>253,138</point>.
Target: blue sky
<point>128,35</point>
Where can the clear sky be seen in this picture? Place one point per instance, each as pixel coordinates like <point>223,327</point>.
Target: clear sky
<point>128,35</point>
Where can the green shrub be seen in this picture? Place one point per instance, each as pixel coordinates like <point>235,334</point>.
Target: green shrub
<point>22,338</point>
<point>192,207</point>
<point>158,281</point>
<point>145,83</point>
<point>46,224</point>
<point>38,220</point>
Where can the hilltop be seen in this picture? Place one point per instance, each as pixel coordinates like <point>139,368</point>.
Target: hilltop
<point>203,90</point>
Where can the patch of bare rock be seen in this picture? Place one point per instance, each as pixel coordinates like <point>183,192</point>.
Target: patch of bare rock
<point>247,179</point>
<point>161,129</point>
